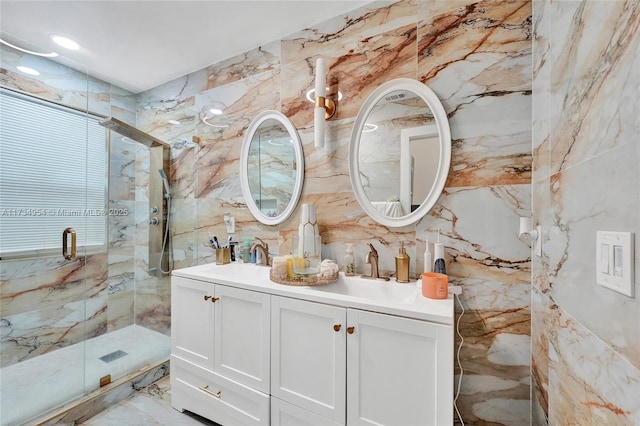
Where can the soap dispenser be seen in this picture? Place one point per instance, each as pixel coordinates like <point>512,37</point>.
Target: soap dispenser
<point>402,265</point>
<point>349,261</point>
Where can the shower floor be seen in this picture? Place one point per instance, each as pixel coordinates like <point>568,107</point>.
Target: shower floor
<point>39,384</point>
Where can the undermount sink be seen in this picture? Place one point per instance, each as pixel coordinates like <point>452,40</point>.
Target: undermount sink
<point>353,286</point>
<point>371,289</point>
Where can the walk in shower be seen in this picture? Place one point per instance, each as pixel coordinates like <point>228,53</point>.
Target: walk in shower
<point>84,301</point>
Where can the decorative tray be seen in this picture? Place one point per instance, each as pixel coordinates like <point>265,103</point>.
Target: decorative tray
<point>303,280</point>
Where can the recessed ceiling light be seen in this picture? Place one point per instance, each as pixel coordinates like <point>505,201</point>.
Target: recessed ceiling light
<point>65,42</point>
<point>27,70</point>
<point>30,52</point>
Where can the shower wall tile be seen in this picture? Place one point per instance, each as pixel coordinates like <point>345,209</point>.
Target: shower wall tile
<point>56,81</point>
<point>122,168</point>
<point>121,276</point>
<point>58,290</point>
<point>153,303</point>
<point>120,308</point>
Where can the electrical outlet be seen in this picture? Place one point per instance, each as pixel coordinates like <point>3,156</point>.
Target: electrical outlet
<point>615,261</point>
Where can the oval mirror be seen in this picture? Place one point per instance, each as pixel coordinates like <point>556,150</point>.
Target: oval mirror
<point>400,152</point>
<point>271,167</point>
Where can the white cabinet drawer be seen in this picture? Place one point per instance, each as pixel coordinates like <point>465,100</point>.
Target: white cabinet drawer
<point>217,398</point>
<point>285,414</point>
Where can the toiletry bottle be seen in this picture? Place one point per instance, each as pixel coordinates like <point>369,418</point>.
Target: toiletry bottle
<point>438,265</point>
<point>246,250</point>
<point>349,261</point>
<point>428,259</point>
<point>402,265</point>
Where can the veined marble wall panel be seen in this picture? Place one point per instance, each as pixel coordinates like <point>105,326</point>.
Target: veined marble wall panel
<point>540,328</point>
<point>362,50</point>
<point>183,232</point>
<point>476,56</point>
<point>587,67</point>
<point>121,276</point>
<point>43,304</point>
<point>600,194</point>
<point>483,61</point>
<point>264,58</point>
<point>589,384</point>
<point>585,126</point>
<point>122,168</point>
<point>123,105</point>
<point>241,101</point>
<point>541,101</point>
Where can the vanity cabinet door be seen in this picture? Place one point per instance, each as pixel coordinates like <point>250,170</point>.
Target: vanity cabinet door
<point>398,371</point>
<point>242,351</point>
<point>192,320</point>
<point>308,356</point>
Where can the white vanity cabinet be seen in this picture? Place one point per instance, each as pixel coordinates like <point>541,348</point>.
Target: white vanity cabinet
<point>220,351</point>
<point>308,362</point>
<point>399,371</point>
<point>388,366</point>
<point>246,350</point>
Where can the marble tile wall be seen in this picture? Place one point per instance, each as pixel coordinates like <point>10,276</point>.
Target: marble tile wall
<point>586,119</point>
<point>43,299</point>
<point>476,56</point>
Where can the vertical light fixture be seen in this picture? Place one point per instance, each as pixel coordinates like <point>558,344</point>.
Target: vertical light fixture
<point>325,108</point>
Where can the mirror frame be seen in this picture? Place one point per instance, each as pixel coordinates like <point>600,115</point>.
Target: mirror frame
<point>244,163</point>
<point>444,162</point>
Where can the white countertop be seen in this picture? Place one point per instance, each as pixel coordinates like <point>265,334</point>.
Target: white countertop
<point>388,297</point>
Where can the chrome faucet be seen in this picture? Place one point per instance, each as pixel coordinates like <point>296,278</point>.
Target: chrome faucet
<point>372,258</point>
<point>264,248</point>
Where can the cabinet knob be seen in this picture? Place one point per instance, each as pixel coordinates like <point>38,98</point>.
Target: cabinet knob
<point>207,298</point>
<point>214,299</point>
<point>337,327</point>
<point>350,330</point>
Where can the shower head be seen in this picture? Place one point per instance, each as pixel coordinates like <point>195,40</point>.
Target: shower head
<point>131,132</point>
<point>165,181</point>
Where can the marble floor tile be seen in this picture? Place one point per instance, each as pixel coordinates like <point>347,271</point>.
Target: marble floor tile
<point>150,406</point>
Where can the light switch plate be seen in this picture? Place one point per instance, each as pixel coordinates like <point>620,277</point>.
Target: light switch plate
<point>615,261</point>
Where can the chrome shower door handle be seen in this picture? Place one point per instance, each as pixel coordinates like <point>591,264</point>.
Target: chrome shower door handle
<point>65,253</point>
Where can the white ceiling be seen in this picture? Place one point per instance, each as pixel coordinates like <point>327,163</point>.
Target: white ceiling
<point>138,45</point>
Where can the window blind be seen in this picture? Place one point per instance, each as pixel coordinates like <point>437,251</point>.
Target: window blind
<point>52,176</point>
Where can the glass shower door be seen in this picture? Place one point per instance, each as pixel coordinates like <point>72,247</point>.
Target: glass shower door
<point>50,296</point>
